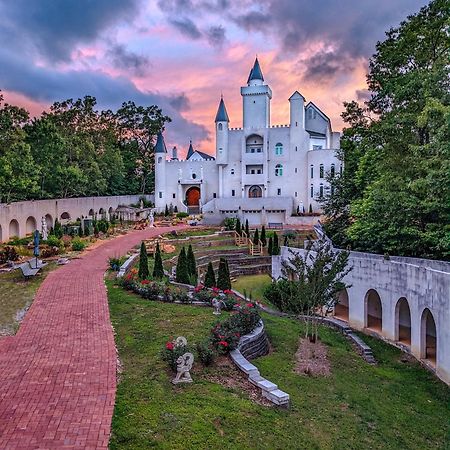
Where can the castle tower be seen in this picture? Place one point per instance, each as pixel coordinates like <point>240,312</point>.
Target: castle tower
<point>222,122</point>
<point>160,172</point>
<point>256,98</point>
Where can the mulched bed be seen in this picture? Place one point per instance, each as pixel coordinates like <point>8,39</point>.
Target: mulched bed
<point>312,358</point>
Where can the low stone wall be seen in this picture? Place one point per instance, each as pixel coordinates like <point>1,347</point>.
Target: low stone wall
<point>126,266</point>
<point>251,346</point>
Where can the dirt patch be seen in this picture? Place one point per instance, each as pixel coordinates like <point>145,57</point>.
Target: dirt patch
<point>229,376</point>
<point>312,358</point>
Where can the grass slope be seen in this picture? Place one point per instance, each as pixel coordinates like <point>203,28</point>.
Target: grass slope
<point>393,405</point>
<point>253,285</point>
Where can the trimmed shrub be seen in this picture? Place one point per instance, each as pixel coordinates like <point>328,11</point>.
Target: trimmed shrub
<point>223,276</point>
<point>166,211</point>
<point>78,245</point>
<point>205,352</point>
<point>276,246</point>
<point>172,352</point>
<point>192,266</point>
<point>270,246</point>
<point>143,263</point>
<point>229,223</point>
<point>238,227</point>
<point>247,229</point>
<point>182,271</point>
<point>182,215</point>
<point>256,237</point>
<point>57,229</point>
<point>8,254</point>
<point>210,277</point>
<point>263,238</point>
<point>158,269</point>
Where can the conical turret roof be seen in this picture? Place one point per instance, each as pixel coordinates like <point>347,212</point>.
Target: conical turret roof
<point>160,146</point>
<point>255,72</point>
<point>222,115</point>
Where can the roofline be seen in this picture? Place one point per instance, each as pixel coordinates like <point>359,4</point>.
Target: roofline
<point>318,109</point>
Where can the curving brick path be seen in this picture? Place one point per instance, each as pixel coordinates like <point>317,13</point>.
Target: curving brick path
<point>58,374</point>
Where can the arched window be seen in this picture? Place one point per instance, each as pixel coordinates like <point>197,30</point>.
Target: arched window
<point>279,149</point>
<point>279,170</point>
<point>321,171</point>
<point>220,127</point>
<point>160,160</point>
<point>321,190</point>
<point>312,191</point>
<point>312,171</point>
<point>332,170</point>
<point>232,171</point>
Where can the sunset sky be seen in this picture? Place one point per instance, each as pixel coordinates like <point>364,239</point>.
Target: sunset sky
<point>182,54</point>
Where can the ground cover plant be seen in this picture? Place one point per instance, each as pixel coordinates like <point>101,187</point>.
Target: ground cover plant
<point>395,404</point>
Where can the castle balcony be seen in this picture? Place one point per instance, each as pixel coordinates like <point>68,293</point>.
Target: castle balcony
<point>254,178</point>
<point>253,158</point>
<point>196,181</point>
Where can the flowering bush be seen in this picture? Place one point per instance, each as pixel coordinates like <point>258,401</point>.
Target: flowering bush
<point>228,303</point>
<point>204,295</point>
<point>171,352</point>
<point>205,352</point>
<point>180,295</point>
<point>247,318</point>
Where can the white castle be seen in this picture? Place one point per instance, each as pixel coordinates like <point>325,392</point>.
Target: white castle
<point>261,172</point>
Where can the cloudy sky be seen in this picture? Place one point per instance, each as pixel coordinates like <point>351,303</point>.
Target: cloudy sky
<point>182,54</point>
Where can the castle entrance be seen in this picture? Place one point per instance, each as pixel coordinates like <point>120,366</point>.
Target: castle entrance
<point>193,200</point>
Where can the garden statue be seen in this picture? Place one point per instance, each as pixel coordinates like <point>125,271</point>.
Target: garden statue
<point>180,341</point>
<point>141,204</point>
<point>44,230</point>
<point>217,304</point>
<point>184,365</point>
<point>151,219</point>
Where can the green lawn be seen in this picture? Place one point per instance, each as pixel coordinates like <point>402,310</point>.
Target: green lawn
<point>394,405</point>
<point>16,295</point>
<point>254,285</point>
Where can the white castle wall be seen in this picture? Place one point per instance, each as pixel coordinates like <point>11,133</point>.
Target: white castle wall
<point>425,284</point>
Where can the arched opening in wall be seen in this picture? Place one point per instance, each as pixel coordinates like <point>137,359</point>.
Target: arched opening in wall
<point>30,225</point>
<point>49,221</point>
<point>373,311</point>
<point>110,211</point>
<point>101,213</point>
<point>65,216</point>
<point>341,308</point>
<point>255,192</point>
<point>403,322</point>
<point>428,337</point>
<point>254,144</point>
<point>14,229</point>
<point>91,212</point>
<point>193,196</point>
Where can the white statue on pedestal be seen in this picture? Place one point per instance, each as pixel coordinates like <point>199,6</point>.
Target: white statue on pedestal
<point>217,304</point>
<point>184,365</point>
<point>44,230</point>
<point>151,219</point>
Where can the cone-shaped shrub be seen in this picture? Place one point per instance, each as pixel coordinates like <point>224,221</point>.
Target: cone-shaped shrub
<point>192,266</point>
<point>256,237</point>
<point>310,208</point>
<point>210,277</point>
<point>143,263</point>
<point>275,246</point>
<point>270,246</point>
<point>286,241</point>
<point>247,230</point>
<point>182,274</point>
<point>223,276</point>
<point>263,238</point>
<point>158,269</point>
<point>166,211</point>
<point>238,227</point>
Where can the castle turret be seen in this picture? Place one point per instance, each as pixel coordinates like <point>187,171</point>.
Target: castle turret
<point>256,98</point>
<point>297,110</point>
<point>174,154</point>
<point>160,172</point>
<point>222,122</point>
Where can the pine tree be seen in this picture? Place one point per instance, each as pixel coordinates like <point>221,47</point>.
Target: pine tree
<point>275,246</point>
<point>310,208</point>
<point>182,274</point>
<point>80,231</point>
<point>191,265</point>
<point>238,227</point>
<point>58,231</point>
<point>166,212</point>
<point>270,246</point>
<point>263,238</point>
<point>247,230</point>
<point>143,263</point>
<point>210,277</point>
<point>256,237</point>
<point>158,269</point>
<point>223,276</point>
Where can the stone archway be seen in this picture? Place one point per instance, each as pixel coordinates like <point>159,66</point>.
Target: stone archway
<point>14,229</point>
<point>341,307</point>
<point>255,192</point>
<point>428,341</point>
<point>403,322</point>
<point>49,221</point>
<point>30,225</point>
<point>373,311</point>
<point>193,196</point>
<point>65,216</point>
<point>91,213</point>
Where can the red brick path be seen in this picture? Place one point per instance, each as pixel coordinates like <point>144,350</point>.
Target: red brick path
<point>58,374</point>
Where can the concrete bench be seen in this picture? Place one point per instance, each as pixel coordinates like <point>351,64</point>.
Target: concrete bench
<point>27,271</point>
<point>275,225</point>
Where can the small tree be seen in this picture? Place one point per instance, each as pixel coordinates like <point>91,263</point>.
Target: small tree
<point>238,227</point>
<point>256,237</point>
<point>57,230</point>
<point>310,208</point>
<point>166,211</point>
<point>143,263</point>
<point>263,238</point>
<point>191,265</point>
<point>223,276</point>
<point>275,245</point>
<point>247,229</point>
<point>182,273</point>
<point>210,277</point>
<point>286,241</point>
<point>158,269</point>
<point>270,246</point>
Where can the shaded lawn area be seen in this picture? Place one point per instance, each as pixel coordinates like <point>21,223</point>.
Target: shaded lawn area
<point>16,295</point>
<point>253,285</point>
<point>393,405</point>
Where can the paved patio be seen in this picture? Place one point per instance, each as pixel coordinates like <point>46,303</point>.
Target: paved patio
<point>58,374</point>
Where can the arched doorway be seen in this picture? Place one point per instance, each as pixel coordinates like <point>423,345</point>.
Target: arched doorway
<point>30,225</point>
<point>14,229</point>
<point>341,307</point>
<point>65,216</point>
<point>403,322</point>
<point>193,196</point>
<point>49,221</point>
<point>373,311</point>
<point>428,337</point>
<point>91,212</point>
<point>255,192</point>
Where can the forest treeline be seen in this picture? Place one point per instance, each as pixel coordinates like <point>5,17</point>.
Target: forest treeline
<point>75,150</point>
<point>394,194</point>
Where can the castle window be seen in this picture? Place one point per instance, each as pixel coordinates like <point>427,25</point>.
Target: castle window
<point>279,149</point>
<point>220,127</point>
<point>160,194</point>
<point>332,170</point>
<point>214,195</point>
<point>233,192</point>
<point>312,191</point>
<point>317,147</point>
<point>321,171</point>
<point>296,149</point>
<point>174,196</point>
<point>296,193</point>
<point>279,170</point>
<point>296,170</point>
<point>321,190</point>
<point>278,191</point>
<point>194,176</point>
<point>159,160</point>
<point>232,171</point>
<point>312,171</point>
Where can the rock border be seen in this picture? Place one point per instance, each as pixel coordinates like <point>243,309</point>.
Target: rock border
<point>256,344</point>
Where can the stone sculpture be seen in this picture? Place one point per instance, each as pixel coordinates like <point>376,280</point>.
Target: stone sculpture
<point>217,305</point>
<point>184,365</point>
<point>44,230</point>
<point>180,341</point>
<point>151,219</point>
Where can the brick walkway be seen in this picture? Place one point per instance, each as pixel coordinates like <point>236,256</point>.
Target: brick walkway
<point>58,374</point>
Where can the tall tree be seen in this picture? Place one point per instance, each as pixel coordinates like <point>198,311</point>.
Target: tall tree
<point>263,236</point>
<point>182,271</point>
<point>223,275</point>
<point>158,269</point>
<point>192,265</point>
<point>143,272</point>
<point>210,277</point>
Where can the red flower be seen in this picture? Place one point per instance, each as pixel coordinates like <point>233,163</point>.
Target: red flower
<point>250,305</point>
<point>227,291</point>
<point>223,343</point>
<point>215,289</point>
<point>169,345</point>
<point>145,282</point>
